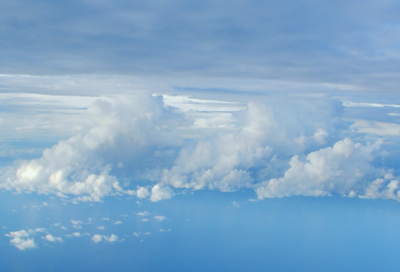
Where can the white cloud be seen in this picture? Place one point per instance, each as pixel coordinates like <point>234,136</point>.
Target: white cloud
<point>138,234</point>
<point>375,127</point>
<point>118,222</point>
<point>98,238</point>
<point>40,230</point>
<point>272,145</point>
<point>387,188</point>
<point>160,218</point>
<point>23,244</point>
<point>320,136</point>
<point>112,238</point>
<point>76,224</point>
<point>145,213</point>
<point>160,192</point>
<point>336,169</point>
<point>76,234</point>
<point>163,230</point>
<point>142,192</point>
<point>20,238</point>
<point>52,238</point>
<point>77,166</point>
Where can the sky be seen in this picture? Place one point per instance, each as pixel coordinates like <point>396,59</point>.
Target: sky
<point>203,136</point>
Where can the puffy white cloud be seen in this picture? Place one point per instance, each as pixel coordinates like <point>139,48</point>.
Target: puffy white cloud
<point>139,142</point>
<point>20,238</point>
<point>52,238</point>
<point>125,129</point>
<point>144,213</point>
<point>98,238</point>
<point>23,244</point>
<point>387,188</point>
<point>118,222</point>
<point>160,192</point>
<point>337,169</point>
<point>142,192</point>
<point>160,218</point>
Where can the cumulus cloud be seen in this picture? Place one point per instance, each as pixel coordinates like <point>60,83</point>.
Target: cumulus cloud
<point>20,238</point>
<point>277,146</point>
<point>142,192</point>
<point>386,187</point>
<point>97,238</point>
<point>52,238</point>
<point>338,169</point>
<point>144,213</point>
<point>160,218</point>
<point>160,192</point>
<point>80,166</point>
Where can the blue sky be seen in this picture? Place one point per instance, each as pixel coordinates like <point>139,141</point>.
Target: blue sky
<point>203,135</point>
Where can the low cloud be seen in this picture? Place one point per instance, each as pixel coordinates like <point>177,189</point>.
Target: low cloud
<point>52,238</point>
<point>277,146</point>
<point>97,238</point>
<point>20,239</point>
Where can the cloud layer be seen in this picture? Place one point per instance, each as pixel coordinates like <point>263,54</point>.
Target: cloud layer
<point>277,146</point>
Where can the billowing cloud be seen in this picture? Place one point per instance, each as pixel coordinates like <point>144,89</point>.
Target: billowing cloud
<point>338,169</point>
<point>277,146</point>
<point>80,166</point>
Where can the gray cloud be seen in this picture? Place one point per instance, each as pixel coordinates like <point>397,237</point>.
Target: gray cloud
<point>347,42</point>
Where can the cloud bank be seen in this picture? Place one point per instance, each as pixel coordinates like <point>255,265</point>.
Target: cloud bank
<point>277,146</point>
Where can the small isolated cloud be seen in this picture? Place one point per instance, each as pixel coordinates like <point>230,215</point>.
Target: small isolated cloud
<point>105,219</point>
<point>163,230</point>
<point>76,234</point>
<point>76,224</point>
<point>118,222</point>
<point>23,244</point>
<point>60,226</point>
<point>40,230</point>
<point>98,238</point>
<point>138,234</point>
<point>145,219</point>
<point>159,218</point>
<point>145,213</point>
<point>236,204</point>
<point>100,227</point>
<point>52,238</point>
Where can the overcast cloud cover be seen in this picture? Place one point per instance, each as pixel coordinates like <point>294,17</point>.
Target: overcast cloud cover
<point>154,102</point>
